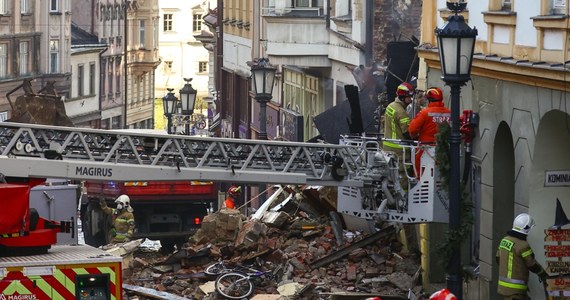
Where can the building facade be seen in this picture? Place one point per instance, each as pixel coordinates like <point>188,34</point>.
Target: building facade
<point>142,60</point>
<point>181,54</point>
<point>83,105</point>
<point>35,38</point>
<point>106,20</point>
<point>520,89</point>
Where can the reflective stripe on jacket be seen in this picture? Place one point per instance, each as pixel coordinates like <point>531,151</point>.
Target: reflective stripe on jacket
<point>425,125</point>
<point>515,257</point>
<point>396,122</point>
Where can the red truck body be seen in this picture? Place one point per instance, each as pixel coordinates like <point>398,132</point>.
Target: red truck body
<point>169,211</point>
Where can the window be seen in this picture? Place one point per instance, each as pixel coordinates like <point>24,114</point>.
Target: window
<point>118,75</point>
<point>155,34</point>
<point>197,22</point>
<point>53,56</point>
<point>102,83</point>
<point>24,54</point>
<point>507,5</point>
<point>3,7</point>
<point>110,77</point>
<point>3,60</point>
<point>559,7</point>
<point>24,6</point>
<point>80,81</point>
<point>309,3</point>
<point>167,22</point>
<point>92,78</point>
<point>202,66</point>
<point>111,17</point>
<point>54,5</point>
<point>141,34</point>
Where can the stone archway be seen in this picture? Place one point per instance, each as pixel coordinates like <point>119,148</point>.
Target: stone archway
<point>503,193</point>
<point>551,153</point>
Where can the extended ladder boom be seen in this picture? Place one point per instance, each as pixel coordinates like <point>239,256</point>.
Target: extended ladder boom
<point>28,150</point>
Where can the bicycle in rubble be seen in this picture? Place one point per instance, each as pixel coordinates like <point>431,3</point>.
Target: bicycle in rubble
<point>241,284</point>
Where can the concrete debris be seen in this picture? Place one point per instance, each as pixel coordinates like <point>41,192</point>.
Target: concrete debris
<point>297,243</point>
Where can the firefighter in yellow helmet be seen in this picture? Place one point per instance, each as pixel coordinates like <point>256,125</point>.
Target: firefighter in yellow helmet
<point>516,259</point>
<point>123,219</point>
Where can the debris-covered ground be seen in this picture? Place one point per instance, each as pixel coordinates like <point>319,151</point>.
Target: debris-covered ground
<point>306,249</point>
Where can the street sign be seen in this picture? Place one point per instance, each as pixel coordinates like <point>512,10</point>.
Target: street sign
<point>557,250</point>
<point>558,284</point>
<point>558,267</point>
<point>553,235</point>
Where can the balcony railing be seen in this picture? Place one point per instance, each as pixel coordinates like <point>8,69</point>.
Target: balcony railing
<point>291,11</point>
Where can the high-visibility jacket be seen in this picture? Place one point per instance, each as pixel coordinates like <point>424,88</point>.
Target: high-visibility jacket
<point>516,259</point>
<point>230,203</point>
<point>396,122</point>
<point>425,125</point>
<point>123,223</point>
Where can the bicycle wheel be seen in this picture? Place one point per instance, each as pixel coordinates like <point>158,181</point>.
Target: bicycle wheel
<point>234,285</point>
<point>215,269</point>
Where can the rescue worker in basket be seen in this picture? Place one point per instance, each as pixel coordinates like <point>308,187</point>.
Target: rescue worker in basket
<point>516,259</point>
<point>233,194</point>
<point>123,219</point>
<point>425,125</point>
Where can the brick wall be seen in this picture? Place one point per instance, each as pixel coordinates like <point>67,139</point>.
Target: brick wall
<point>394,20</point>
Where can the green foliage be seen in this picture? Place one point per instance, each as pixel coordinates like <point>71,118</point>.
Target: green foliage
<point>453,239</point>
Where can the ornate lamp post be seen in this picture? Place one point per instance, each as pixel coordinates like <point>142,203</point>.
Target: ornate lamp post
<point>169,104</point>
<point>263,75</point>
<point>188,98</point>
<point>456,42</point>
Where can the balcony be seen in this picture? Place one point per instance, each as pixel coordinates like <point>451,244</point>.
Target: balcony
<point>292,12</point>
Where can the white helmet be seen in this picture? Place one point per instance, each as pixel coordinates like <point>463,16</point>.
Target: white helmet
<point>523,223</point>
<point>123,201</point>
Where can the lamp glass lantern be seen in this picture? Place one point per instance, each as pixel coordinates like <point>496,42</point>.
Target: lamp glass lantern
<point>456,42</point>
<point>188,97</point>
<point>263,76</point>
<point>169,103</point>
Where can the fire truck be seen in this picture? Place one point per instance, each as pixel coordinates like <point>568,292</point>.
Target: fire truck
<point>168,211</point>
<point>367,178</point>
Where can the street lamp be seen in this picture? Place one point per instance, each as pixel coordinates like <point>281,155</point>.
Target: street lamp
<point>188,98</point>
<point>456,41</point>
<point>169,104</point>
<point>262,75</point>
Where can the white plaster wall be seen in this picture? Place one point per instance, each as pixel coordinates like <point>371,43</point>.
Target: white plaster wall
<point>553,40</point>
<point>525,33</point>
<point>476,17</point>
<point>237,52</point>
<point>77,106</point>
<point>501,34</point>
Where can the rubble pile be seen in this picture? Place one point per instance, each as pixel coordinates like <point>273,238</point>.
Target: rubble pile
<point>310,256</point>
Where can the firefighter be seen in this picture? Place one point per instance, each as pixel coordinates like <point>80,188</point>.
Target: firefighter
<point>123,219</point>
<point>425,125</point>
<point>443,294</point>
<point>396,122</point>
<point>233,194</point>
<point>516,259</point>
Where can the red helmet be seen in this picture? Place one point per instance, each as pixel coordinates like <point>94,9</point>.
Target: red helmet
<point>434,94</point>
<point>443,294</point>
<point>405,89</point>
<point>234,191</point>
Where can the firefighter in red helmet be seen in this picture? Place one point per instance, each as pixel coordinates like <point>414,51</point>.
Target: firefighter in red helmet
<point>425,125</point>
<point>233,194</point>
<point>443,294</point>
<point>396,122</point>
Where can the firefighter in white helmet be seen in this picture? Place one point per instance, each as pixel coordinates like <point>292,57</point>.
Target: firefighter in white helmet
<point>123,219</point>
<point>516,259</point>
